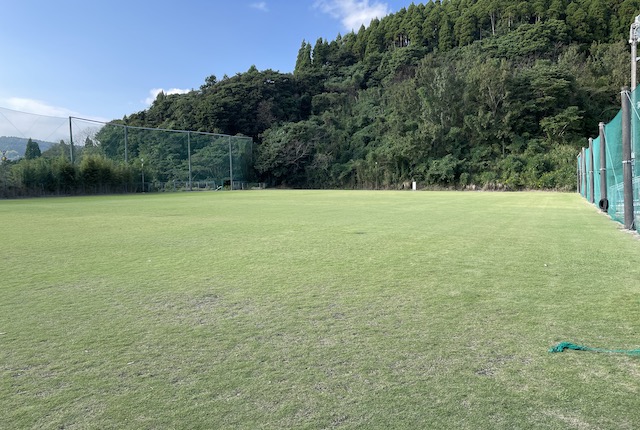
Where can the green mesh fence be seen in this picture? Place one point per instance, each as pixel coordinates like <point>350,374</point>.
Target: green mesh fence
<point>613,139</point>
<point>595,171</point>
<point>614,165</point>
<point>635,151</point>
<point>588,169</point>
<point>580,176</point>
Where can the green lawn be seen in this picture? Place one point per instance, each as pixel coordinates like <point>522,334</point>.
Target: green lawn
<point>316,309</point>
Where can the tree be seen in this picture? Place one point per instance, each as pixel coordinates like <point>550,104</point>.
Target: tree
<point>445,35</point>
<point>32,150</point>
<point>58,150</point>
<point>287,150</point>
<point>320,53</point>
<point>465,28</point>
<point>303,62</point>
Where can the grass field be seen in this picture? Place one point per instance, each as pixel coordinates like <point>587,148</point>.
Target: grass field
<point>316,309</point>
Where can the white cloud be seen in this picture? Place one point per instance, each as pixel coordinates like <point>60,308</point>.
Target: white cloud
<point>260,6</point>
<point>30,118</point>
<point>153,93</point>
<point>39,107</point>
<point>36,107</point>
<point>353,13</point>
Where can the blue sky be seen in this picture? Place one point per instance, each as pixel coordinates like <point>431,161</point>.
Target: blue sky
<point>106,59</point>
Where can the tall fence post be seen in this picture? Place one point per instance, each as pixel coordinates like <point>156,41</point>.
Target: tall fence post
<point>189,157</point>
<point>627,174</point>
<point>603,167</point>
<point>591,172</point>
<point>126,145</point>
<point>577,174</point>
<point>70,140</point>
<point>230,165</point>
<point>583,166</point>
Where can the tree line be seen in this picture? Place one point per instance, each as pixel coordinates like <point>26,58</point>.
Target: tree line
<point>457,93</point>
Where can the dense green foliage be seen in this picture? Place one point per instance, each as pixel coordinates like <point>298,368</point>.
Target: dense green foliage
<point>32,150</point>
<point>53,173</point>
<point>459,93</point>
<point>492,93</point>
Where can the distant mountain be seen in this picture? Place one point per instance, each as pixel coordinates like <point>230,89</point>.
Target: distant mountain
<point>16,146</point>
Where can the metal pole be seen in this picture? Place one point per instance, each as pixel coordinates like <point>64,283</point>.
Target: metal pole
<point>627,174</point>
<point>230,165</point>
<point>578,173</point>
<point>633,40</point>
<point>584,173</point>
<point>592,198</point>
<point>633,64</point>
<point>189,155</point>
<point>603,163</point>
<point>126,144</point>
<point>70,140</point>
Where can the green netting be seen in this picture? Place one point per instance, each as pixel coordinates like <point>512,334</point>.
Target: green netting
<point>584,174</point>
<point>580,176</point>
<point>568,345</point>
<point>613,146</point>
<point>588,169</point>
<point>635,150</point>
<point>596,170</point>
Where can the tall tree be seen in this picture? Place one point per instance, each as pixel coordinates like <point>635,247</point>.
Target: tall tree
<point>32,150</point>
<point>303,62</point>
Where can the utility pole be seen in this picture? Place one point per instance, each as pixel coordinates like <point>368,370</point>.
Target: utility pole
<point>627,175</point>
<point>189,156</point>
<point>230,165</point>
<point>633,40</point>
<point>70,140</point>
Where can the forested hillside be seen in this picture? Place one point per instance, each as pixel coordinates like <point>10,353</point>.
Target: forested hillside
<point>457,93</point>
<point>16,147</point>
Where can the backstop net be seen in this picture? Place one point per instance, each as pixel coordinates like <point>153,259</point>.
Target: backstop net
<point>171,159</point>
<point>16,128</point>
<point>139,158</point>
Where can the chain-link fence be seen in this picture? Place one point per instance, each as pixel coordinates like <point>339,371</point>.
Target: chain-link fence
<point>170,157</point>
<point>97,156</point>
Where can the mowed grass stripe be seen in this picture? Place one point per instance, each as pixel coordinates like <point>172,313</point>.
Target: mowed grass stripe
<point>316,309</point>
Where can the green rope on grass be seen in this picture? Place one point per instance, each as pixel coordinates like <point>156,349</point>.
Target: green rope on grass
<point>568,345</point>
